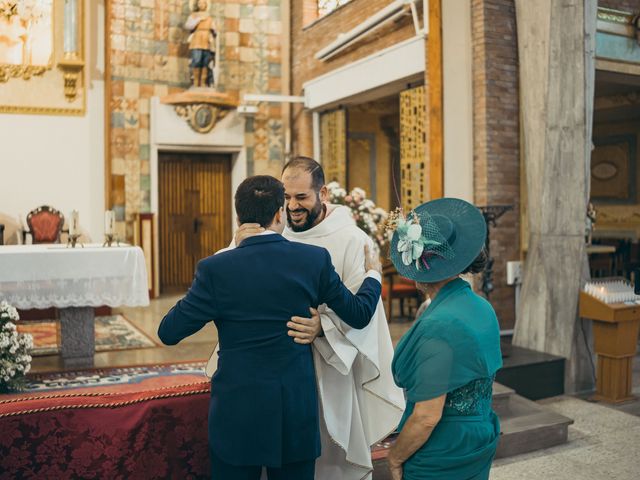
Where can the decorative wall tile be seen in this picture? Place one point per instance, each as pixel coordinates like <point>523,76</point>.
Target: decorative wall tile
<point>232,10</point>
<point>117,120</point>
<point>149,57</point>
<point>117,168</point>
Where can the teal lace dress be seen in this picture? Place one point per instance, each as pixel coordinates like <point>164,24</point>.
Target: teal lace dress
<point>452,349</point>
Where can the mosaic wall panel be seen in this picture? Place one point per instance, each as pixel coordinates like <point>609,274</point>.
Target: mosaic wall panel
<point>333,146</point>
<point>149,57</point>
<point>413,151</point>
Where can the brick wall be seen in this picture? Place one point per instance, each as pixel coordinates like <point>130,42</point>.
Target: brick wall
<point>307,38</point>
<point>496,136</point>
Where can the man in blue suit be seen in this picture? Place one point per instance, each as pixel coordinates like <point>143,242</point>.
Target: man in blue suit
<point>264,406</point>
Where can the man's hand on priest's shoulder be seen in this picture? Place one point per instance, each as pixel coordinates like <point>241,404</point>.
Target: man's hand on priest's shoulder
<point>305,330</point>
<point>247,230</point>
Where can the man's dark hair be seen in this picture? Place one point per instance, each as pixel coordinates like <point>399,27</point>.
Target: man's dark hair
<point>308,165</point>
<point>258,199</point>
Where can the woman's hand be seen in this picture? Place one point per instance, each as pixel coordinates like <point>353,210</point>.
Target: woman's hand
<point>395,468</point>
<point>415,433</point>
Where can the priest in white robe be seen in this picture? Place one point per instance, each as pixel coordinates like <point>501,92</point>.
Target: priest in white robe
<point>360,403</point>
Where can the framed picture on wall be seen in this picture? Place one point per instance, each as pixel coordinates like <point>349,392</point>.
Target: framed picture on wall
<point>41,57</point>
<point>614,169</point>
<point>26,37</point>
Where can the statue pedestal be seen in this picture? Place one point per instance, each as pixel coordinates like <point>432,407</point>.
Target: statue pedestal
<point>197,95</point>
<point>201,107</point>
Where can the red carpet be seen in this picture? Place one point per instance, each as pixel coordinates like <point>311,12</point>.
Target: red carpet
<point>113,332</point>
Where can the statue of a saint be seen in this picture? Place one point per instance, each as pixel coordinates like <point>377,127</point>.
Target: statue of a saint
<point>202,44</point>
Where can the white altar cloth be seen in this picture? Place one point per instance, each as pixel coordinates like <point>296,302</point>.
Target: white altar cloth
<point>51,275</point>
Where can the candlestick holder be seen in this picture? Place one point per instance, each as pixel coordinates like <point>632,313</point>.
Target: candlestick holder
<point>109,238</point>
<point>73,239</point>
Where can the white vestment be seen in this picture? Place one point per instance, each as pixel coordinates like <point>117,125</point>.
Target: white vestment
<point>359,400</point>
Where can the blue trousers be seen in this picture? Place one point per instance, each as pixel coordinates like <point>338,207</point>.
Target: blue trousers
<point>221,470</point>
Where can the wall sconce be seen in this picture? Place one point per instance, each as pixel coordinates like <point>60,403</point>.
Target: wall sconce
<point>72,63</point>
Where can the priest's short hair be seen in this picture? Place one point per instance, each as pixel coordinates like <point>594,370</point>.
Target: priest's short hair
<point>308,164</point>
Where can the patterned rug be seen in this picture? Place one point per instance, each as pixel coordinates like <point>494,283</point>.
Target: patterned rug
<point>158,375</point>
<point>113,332</point>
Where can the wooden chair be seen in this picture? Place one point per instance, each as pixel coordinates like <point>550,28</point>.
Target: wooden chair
<point>45,225</point>
<point>395,287</point>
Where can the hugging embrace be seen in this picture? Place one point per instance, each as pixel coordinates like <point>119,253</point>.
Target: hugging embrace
<point>287,388</point>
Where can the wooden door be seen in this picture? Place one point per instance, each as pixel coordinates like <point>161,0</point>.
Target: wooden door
<point>194,213</point>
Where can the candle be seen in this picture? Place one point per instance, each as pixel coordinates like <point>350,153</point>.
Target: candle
<point>70,27</point>
<point>74,224</point>
<point>109,217</point>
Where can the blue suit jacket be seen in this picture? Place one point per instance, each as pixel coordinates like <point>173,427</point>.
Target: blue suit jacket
<point>264,407</point>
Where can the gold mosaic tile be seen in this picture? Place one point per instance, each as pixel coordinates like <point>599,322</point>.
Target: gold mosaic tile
<point>131,89</point>
<point>144,121</point>
<point>143,136</point>
<point>124,142</point>
<point>117,166</point>
<point>232,10</point>
<point>232,39</point>
<point>274,27</point>
<point>117,88</point>
<point>144,106</point>
<point>247,25</point>
<point>161,90</point>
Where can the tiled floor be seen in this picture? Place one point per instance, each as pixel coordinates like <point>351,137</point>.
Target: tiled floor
<point>603,445</point>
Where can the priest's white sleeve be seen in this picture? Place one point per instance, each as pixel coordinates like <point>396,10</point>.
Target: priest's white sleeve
<point>360,402</point>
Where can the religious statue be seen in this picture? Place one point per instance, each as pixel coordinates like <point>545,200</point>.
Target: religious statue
<point>202,44</point>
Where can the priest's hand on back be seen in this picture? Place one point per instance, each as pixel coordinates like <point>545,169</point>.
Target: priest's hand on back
<point>305,330</point>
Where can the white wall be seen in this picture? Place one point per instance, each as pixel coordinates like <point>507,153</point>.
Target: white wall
<point>59,160</point>
<point>458,99</point>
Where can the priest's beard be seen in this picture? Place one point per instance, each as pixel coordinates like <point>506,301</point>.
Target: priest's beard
<point>311,217</point>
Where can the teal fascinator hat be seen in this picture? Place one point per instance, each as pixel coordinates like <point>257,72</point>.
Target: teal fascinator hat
<point>437,240</point>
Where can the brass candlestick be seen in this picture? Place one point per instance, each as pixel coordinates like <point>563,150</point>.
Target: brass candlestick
<point>73,239</point>
<point>109,239</point>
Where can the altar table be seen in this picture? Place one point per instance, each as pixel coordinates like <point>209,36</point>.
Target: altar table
<point>74,280</point>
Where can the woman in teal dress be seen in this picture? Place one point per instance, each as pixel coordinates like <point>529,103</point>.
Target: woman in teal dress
<point>448,359</point>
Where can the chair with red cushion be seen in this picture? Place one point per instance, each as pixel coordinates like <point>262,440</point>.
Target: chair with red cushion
<point>45,225</point>
<point>397,287</point>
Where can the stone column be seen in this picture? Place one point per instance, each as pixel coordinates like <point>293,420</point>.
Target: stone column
<point>556,40</point>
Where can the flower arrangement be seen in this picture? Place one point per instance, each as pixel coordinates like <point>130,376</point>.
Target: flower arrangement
<point>15,348</point>
<point>368,217</point>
